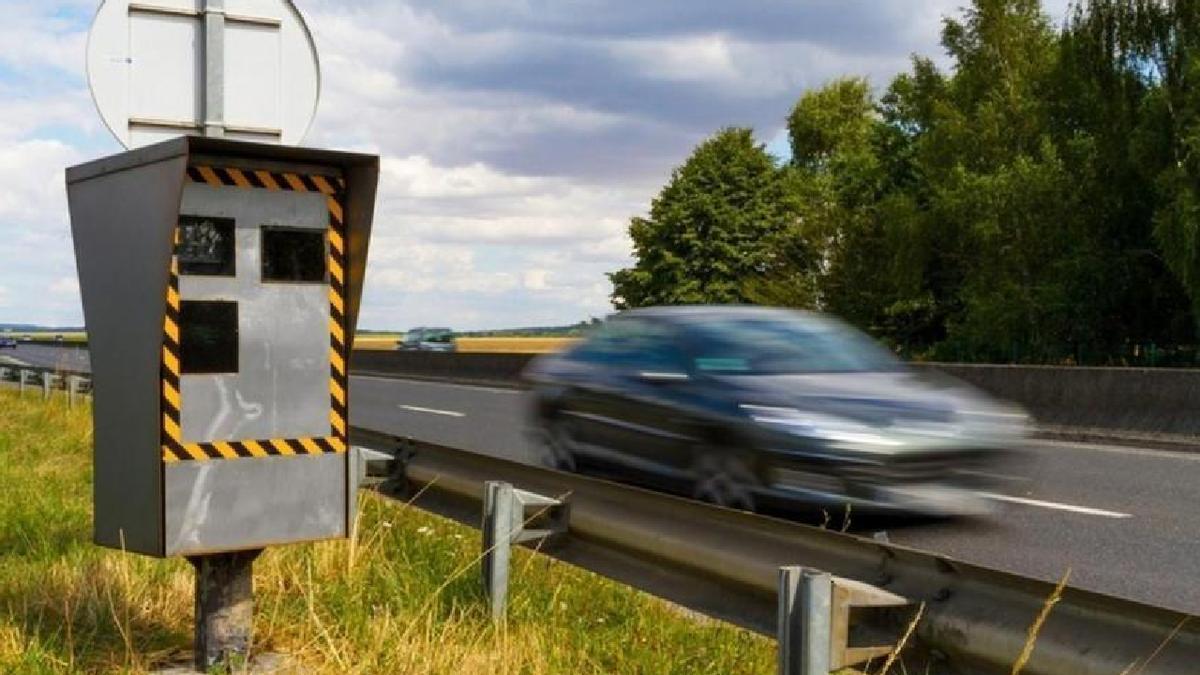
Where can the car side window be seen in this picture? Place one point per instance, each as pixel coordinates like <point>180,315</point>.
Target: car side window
<point>602,347</point>
<point>634,344</point>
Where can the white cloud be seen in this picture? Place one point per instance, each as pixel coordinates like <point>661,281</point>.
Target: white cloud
<point>34,194</point>
<point>516,140</point>
<point>34,36</point>
<point>535,279</point>
<point>702,58</point>
<point>65,286</point>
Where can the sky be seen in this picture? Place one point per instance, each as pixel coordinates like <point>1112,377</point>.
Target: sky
<point>517,137</point>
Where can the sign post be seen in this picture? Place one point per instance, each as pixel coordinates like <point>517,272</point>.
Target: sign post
<point>221,281</point>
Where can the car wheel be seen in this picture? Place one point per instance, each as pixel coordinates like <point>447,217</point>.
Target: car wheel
<point>556,446</point>
<point>724,480</point>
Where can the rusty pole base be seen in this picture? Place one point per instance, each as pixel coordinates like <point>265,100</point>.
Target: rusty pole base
<point>224,608</point>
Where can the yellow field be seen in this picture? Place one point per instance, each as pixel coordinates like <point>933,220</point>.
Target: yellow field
<point>512,345</point>
<point>376,341</point>
<point>387,342</point>
<point>78,336</point>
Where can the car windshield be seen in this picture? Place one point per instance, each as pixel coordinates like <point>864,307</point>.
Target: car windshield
<point>784,345</point>
<point>426,334</point>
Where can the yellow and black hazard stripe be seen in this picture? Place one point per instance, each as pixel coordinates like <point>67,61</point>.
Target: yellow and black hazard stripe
<point>173,447</point>
<point>334,189</point>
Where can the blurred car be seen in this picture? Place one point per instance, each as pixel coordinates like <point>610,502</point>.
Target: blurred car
<point>427,340</point>
<point>767,410</point>
<point>8,342</point>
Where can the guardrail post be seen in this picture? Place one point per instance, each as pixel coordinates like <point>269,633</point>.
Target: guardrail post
<point>47,381</point>
<point>72,389</point>
<point>804,631</point>
<point>504,525</point>
<point>497,535</point>
<point>21,375</point>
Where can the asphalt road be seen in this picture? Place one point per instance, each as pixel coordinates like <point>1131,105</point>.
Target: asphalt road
<point>1122,520</point>
<point>49,356</point>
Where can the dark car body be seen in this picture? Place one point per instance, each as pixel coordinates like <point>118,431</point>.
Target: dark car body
<point>8,343</point>
<point>767,409</point>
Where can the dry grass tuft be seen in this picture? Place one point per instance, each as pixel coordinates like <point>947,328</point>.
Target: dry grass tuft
<point>1036,627</point>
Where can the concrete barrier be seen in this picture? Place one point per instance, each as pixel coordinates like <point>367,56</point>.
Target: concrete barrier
<point>483,368</point>
<point>1147,405</point>
<point>1143,404</point>
<point>1138,402</point>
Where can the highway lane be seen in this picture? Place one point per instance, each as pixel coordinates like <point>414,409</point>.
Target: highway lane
<point>50,356</point>
<point>1123,520</point>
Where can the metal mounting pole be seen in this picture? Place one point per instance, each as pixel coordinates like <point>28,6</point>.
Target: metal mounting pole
<point>47,380</point>
<point>224,581</point>
<point>804,628</point>
<point>72,389</point>
<point>21,376</point>
<point>224,608</point>
<point>214,68</point>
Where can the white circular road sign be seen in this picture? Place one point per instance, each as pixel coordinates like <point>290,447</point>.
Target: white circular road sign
<point>243,69</point>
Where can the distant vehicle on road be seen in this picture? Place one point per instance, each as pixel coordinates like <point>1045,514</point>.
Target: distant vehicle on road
<point>7,342</point>
<point>767,410</point>
<point>427,340</point>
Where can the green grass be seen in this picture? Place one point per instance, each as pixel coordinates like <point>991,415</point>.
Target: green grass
<point>402,597</point>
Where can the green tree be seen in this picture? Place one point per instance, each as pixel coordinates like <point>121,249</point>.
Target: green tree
<point>1039,200</point>
<point>857,226</point>
<point>710,227</point>
<point>1157,44</point>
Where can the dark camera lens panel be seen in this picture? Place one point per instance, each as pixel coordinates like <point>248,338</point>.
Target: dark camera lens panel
<point>208,337</point>
<point>293,255</point>
<point>206,246</point>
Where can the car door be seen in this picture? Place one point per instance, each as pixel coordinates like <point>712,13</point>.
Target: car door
<point>638,418</point>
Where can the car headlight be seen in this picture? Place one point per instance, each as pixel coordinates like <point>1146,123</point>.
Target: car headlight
<point>820,426</point>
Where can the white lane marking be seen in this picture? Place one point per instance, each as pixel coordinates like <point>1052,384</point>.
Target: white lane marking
<point>1086,510</point>
<point>996,476</point>
<point>1182,455</point>
<point>431,383</point>
<point>433,411</point>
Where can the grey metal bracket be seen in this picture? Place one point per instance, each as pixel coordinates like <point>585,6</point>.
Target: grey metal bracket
<point>814,621</point>
<point>505,523</point>
<point>370,467</point>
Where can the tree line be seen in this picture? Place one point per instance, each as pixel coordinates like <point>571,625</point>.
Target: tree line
<point>1036,200</point>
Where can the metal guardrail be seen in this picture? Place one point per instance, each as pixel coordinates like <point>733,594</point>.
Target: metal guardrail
<point>726,563</point>
<point>47,380</point>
